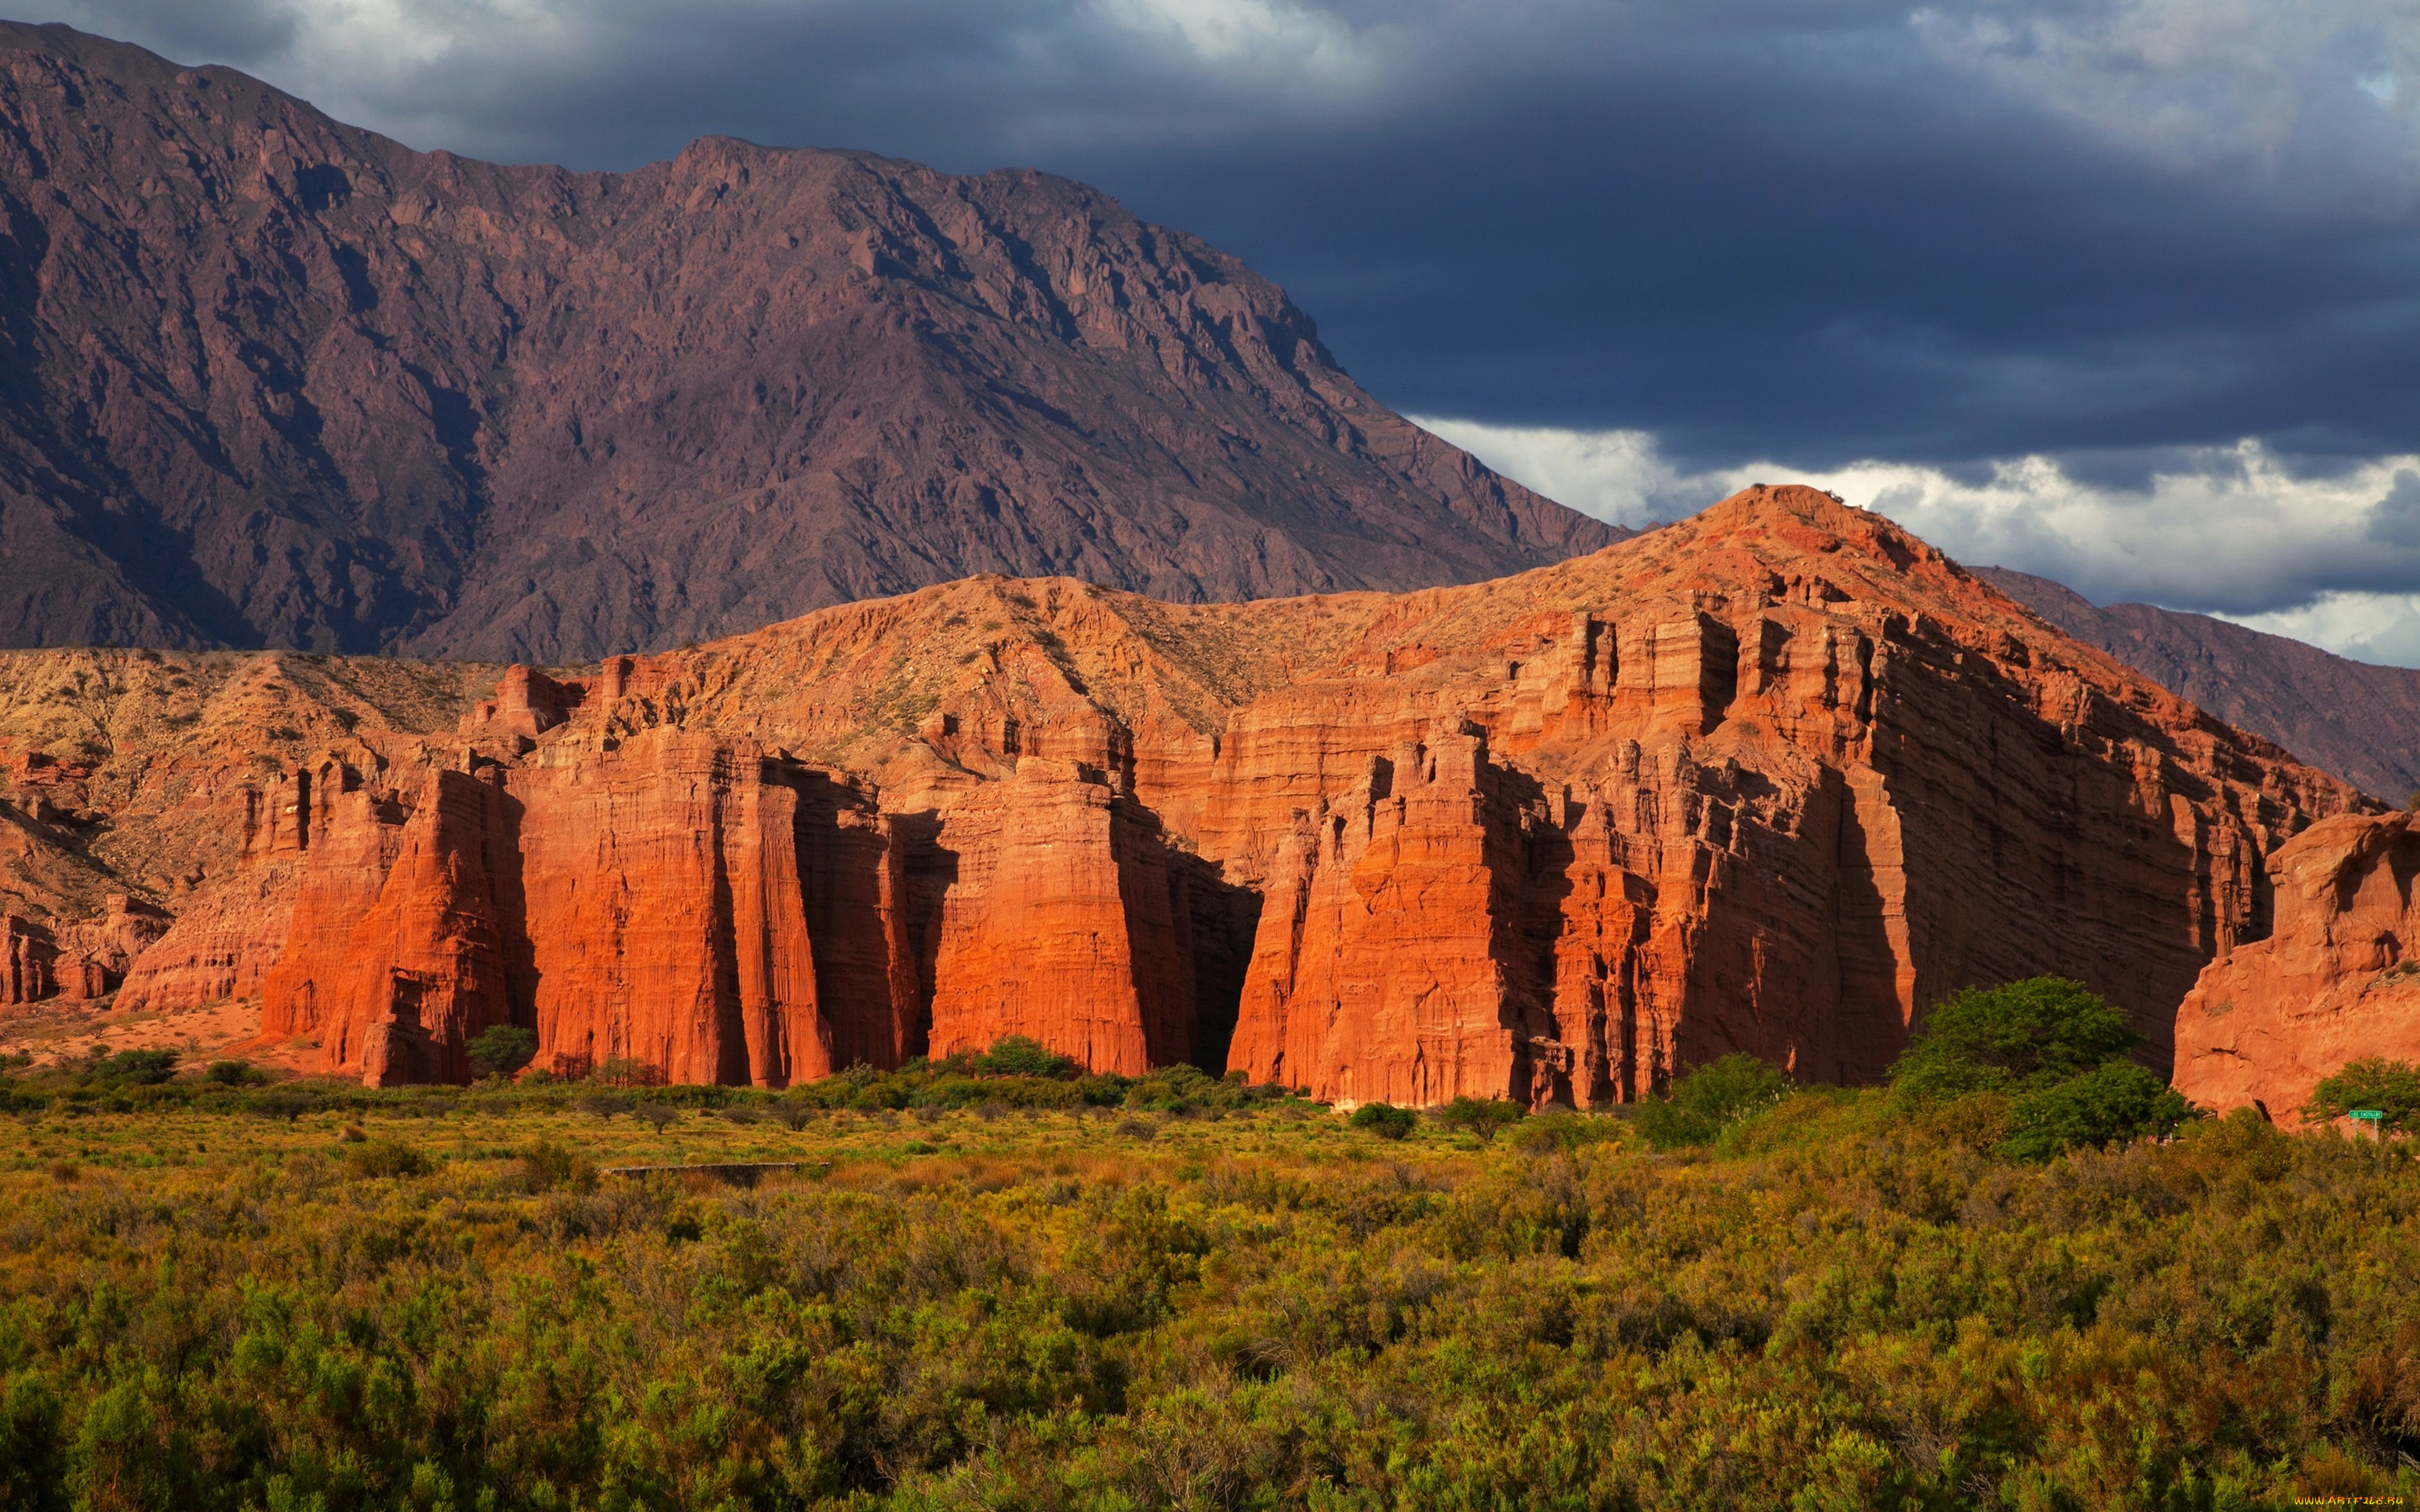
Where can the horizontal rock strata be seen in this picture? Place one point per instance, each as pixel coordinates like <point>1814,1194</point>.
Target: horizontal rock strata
<point>1774,779</point>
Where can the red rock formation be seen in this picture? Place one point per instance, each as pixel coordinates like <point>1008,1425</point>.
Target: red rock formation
<point>1062,924</point>
<point>27,956</point>
<point>2335,981</point>
<point>223,946</point>
<point>717,912</point>
<point>666,913</point>
<point>1385,968</point>
<point>1772,779</point>
<point>397,965</point>
<point>2355,720</point>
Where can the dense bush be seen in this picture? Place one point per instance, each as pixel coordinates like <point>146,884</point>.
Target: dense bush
<point>2042,1062</point>
<point>502,1049</point>
<point>132,1068</point>
<point>384,1158</point>
<point>1852,1305</point>
<point>2109,1103</point>
<point>1483,1117</point>
<point>1383,1119</point>
<point>1709,1098</point>
<point>2010,1038</point>
<point>2392,1087</point>
<point>1018,1056</point>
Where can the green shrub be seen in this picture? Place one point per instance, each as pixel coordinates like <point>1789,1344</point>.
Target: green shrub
<point>377,1158</point>
<point>1383,1119</point>
<point>1708,1098</point>
<point>2391,1086</point>
<point>2010,1038</point>
<point>1564,1130</point>
<point>545,1164</point>
<point>1017,1055</point>
<point>1480,1116</point>
<point>33,1467</point>
<point>502,1049</point>
<point>133,1067</point>
<point>625,1071</point>
<point>2043,1058</point>
<point>234,1074</point>
<point>2112,1102</point>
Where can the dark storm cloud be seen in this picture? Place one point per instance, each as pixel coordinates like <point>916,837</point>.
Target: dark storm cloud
<point>2113,231</point>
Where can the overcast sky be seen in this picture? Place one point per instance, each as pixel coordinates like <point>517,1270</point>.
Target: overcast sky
<point>2122,291</point>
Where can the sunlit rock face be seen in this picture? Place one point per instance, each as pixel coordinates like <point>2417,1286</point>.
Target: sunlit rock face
<point>1772,779</point>
<point>2334,982</point>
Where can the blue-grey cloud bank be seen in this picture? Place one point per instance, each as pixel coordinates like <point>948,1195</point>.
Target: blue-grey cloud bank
<point>2122,290</point>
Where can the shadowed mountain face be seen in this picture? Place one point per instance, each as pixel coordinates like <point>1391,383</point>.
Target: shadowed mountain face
<point>2358,721</point>
<point>270,380</point>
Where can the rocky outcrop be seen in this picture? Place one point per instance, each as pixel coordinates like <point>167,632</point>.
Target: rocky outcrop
<point>1774,779</point>
<point>1070,920</point>
<point>395,957</point>
<point>672,893</point>
<point>711,911</point>
<point>1387,965</point>
<point>28,960</point>
<point>277,382</point>
<point>2335,981</point>
<point>220,947</point>
<point>78,962</point>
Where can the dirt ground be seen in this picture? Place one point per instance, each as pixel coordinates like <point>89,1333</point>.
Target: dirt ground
<point>55,1031</point>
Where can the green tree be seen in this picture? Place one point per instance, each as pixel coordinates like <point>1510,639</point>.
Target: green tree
<point>1482,1116</point>
<point>1016,1055</point>
<point>1383,1119</point>
<point>2391,1086</point>
<point>2010,1038</point>
<point>135,1067</point>
<point>2109,1103</point>
<point>33,1462</point>
<point>502,1049</point>
<point>1708,1098</point>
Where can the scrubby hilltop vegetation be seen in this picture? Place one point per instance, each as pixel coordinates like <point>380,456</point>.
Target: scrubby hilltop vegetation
<point>992,1284</point>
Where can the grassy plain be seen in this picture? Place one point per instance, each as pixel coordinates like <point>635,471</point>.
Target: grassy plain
<point>290,1298</point>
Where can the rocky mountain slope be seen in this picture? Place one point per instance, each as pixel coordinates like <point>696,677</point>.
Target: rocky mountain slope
<point>270,380</point>
<point>2361,722</point>
<point>1774,779</point>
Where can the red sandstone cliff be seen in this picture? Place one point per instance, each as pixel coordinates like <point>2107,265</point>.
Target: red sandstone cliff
<point>2334,982</point>
<point>1771,779</point>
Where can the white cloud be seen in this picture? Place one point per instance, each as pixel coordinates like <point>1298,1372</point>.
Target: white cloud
<point>2192,83</point>
<point>2379,627</point>
<point>1253,38</point>
<point>1618,475</point>
<point>2234,531</point>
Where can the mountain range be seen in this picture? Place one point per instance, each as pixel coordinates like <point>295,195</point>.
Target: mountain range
<point>273,380</point>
